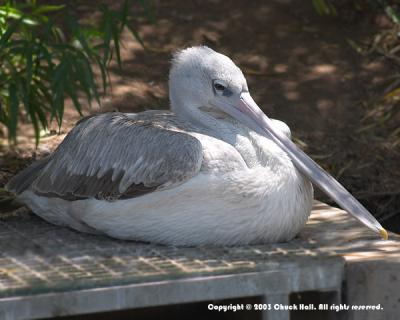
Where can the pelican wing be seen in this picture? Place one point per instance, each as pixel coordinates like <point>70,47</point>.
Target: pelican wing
<point>113,156</point>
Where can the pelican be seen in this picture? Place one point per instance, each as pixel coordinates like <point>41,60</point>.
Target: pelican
<point>214,170</point>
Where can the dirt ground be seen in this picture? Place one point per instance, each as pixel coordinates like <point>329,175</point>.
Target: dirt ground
<point>300,68</point>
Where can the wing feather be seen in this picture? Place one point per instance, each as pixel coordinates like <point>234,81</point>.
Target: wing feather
<point>116,155</point>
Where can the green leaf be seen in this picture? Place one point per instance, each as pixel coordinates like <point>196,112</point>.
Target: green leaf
<point>35,126</point>
<point>87,79</point>
<point>392,14</point>
<point>10,12</point>
<point>13,117</point>
<point>116,36</point>
<point>39,111</point>
<point>9,32</point>
<point>79,35</point>
<point>45,92</point>
<point>57,85</point>
<point>47,8</point>
<point>107,33</point>
<point>71,91</point>
<point>29,71</point>
<point>136,35</point>
<point>104,73</point>
<point>124,14</point>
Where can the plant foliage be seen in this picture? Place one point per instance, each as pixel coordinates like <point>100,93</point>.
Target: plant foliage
<point>46,55</point>
<point>384,111</point>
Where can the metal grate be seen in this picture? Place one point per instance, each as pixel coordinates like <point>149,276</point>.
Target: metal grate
<point>37,257</point>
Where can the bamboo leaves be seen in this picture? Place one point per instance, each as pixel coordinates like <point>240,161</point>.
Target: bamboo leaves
<point>41,63</point>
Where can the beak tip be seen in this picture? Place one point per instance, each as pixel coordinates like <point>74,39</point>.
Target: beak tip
<point>383,234</point>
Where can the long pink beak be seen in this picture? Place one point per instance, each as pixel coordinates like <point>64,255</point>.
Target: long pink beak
<point>247,112</point>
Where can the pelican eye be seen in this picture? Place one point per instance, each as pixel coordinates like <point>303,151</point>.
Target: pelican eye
<point>219,87</point>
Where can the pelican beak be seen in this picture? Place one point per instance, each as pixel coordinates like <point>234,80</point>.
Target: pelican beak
<point>247,112</point>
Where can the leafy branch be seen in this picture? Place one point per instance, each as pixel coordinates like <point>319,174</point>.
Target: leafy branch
<point>42,63</point>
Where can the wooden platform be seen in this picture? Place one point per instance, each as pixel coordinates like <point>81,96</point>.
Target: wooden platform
<point>46,271</point>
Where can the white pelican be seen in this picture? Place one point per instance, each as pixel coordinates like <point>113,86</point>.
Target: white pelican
<point>214,170</point>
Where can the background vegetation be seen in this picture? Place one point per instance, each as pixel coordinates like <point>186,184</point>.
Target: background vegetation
<point>47,55</point>
<point>385,108</point>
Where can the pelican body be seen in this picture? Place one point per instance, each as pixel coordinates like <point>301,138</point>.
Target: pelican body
<point>212,171</point>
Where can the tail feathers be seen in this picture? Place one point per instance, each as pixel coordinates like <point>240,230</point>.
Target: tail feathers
<point>24,179</point>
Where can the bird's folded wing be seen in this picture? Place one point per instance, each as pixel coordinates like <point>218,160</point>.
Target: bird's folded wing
<point>113,156</point>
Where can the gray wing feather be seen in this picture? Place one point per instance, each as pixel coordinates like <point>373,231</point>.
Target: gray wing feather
<point>24,179</point>
<point>114,155</point>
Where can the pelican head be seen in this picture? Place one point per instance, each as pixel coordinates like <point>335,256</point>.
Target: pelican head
<point>202,78</point>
